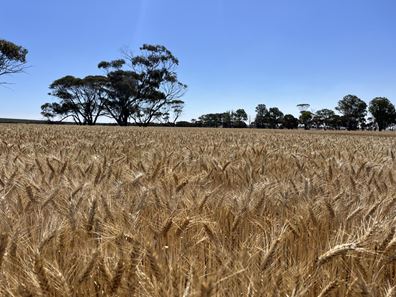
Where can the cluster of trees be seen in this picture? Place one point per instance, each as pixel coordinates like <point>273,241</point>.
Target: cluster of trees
<point>352,116</point>
<point>228,119</point>
<point>140,89</point>
<point>272,118</point>
<point>144,88</point>
<point>266,118</point>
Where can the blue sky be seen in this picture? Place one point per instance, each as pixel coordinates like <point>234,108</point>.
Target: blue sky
<point>233,54</point>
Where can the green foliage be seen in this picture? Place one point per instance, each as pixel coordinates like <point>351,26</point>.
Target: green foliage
<point>268,118</point>
<point>79,98</point>
<point>12,57</point>
<point>122,96</point>
<point>383,112</point>
<point>306,118</point>
<point>261,113</point>
<point>48,111</point>
<point>324,118</point>
<point>290,122</point>
<point>228,119</point>
<point>213,120</point>
<point>240,115</point>
<point>142,88</point>
<point>148,91</point>
<point>354,110</point>
<point>274,117</point>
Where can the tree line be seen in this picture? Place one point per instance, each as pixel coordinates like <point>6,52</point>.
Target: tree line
<point>353,116</point>
<point>144,89</point>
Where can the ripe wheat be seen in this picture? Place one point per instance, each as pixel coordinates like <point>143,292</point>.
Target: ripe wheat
<point>107,211</point>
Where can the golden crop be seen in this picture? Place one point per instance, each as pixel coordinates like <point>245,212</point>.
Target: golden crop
<point>107,211</point>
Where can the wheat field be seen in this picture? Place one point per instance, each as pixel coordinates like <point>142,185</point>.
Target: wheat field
<point>107,211</point>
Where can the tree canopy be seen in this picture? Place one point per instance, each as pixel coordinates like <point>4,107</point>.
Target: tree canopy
<point>383,112</point>
<point>290,122</point>
<point>144,87</point>
<point>12,58</point>
<point>228,119</point>
<point>261,113</point>
<point>79,98</point>
<point>324,118</point>
<point>354,110</point>
<point>140,88</point>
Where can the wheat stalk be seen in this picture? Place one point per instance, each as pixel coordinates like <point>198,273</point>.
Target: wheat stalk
<point>338,250</point>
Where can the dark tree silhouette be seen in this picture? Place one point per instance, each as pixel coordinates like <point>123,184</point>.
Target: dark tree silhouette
<point>228,119</point>
<point>274,117</point>
<point>324,117</point>
<point>122,98</point>
<point>80,98</point>
<point>159,88</point>
<point>354,111</point>
<point>306,118</point>
<point>212,120</point>
<point>383,112</point>
<point>238,118</point>
<point>51,110</point>
<point>148,91</point>
<point>290,122</point>
<point>261,114</point>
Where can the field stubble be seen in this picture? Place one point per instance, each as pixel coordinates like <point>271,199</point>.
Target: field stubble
<point>106,211</point>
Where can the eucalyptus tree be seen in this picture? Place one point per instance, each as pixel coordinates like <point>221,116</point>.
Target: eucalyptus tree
<point>354,111</point>
<point>12,58</point>
<point>81,99</point>
<point>325,117</point>
<point>290,122</point>
<point>383,112</point>
<point>144,87</point>
<point>122,92</point>
<point>261,114</point>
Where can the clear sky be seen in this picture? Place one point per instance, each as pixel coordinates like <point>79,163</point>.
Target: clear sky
<point>233,53</point>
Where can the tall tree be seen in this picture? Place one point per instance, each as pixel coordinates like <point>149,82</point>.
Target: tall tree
<point>173,115</point>
<point>159,89</point>
<point>325,117</point>
<point>261,113</point>
<point>383,112</point>
<point>177,109</point>
<point>12,58</point>
<point>306,119</point>
<point>306,116</point>
<point>290,122</point>
<point>239,117</point>
<point>226,119</point>
<point>122,98</point>
<point>148,91</point>
<point>354,110</point>
<point>80,98</point>
<point>274,117</point>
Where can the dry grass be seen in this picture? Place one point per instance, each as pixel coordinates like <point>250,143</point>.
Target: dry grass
<point>96,211</point>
